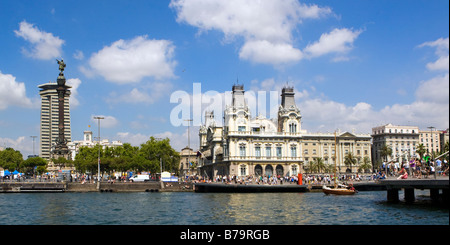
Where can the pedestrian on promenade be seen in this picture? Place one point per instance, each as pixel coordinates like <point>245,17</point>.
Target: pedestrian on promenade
<point>418,172</point>
<point>403,174</point>
<point>412,166</point>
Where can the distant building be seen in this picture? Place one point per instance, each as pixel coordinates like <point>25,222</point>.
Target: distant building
<point>88,141</point>
<point>431,140</point>
<point>188,162</point>
<point>443,138</point>
<point>403,140</point>
<point>50,118</point>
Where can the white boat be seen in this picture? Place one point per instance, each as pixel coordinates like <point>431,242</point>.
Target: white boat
<point>337,190</point>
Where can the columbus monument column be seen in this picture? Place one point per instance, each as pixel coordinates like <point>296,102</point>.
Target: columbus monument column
<point>61,149</point>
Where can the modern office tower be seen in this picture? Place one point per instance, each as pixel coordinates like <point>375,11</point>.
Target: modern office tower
<point>55,134</point>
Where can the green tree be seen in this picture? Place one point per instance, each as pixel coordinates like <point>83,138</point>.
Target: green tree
<point>159,151</point>
<point>366,164</point>
<point>421,150</point>
<point>385,151</point>
<point>319,164</point>
<point>350,160</point>
<point>28,166</point>
<point>87,159</point>
<point>128,157</point>
<point>10,159</point>
<point>41,169</point>
<point>62,162</point>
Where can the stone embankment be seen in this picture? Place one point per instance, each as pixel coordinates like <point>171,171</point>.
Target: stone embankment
<point>152,186</point>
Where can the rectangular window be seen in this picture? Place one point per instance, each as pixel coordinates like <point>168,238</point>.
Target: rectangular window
<point>241,128</point>
<point>268,151</point>
<point>242,150</point>
<point>278,151</point>
<point>257,151</point>
<point>293,151</point>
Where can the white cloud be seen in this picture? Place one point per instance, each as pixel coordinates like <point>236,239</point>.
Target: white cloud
<point>337,41</point>
<point>74,83</point>
<point>12,93</point>
<point>133,139</point>
<point>177,140</point>
<point>129,61</point>
<point>107,122</point>
<point>265,25</point>
<point>148,94</point>
<point>79,55</point>
<point>442,51</point>
<point>44,45</point>
<point>265,52</point>
<point>434,90</point>
<point>430,107</point>
<point>22,144</point>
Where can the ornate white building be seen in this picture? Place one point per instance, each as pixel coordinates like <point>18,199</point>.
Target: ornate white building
<point>260,146</point>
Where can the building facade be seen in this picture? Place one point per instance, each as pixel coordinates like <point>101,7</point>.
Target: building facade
<point>431,140</point>
<point>247,146</point>
<point>403,140</point>
<point>188,162</point>
<point>49,127</point>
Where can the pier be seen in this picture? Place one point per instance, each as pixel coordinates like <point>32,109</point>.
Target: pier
<point>438,188</point>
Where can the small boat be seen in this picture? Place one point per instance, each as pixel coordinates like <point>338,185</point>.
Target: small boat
<point>337,189</point>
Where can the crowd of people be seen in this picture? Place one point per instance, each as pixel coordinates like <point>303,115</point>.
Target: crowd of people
<point>415,168</point>
<point>250,179</point>
<point>308,179</point>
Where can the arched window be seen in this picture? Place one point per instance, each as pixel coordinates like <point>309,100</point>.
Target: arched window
<point>292,128</point>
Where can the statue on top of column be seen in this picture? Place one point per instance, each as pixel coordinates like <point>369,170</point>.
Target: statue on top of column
<point>61,64</point>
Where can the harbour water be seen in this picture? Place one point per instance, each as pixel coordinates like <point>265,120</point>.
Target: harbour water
<point>185,208</point>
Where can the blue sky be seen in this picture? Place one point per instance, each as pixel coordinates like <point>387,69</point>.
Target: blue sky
<point>355,64</point>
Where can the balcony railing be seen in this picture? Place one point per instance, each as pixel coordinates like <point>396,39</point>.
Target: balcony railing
<point>261,133</point>
<point>262,158</point>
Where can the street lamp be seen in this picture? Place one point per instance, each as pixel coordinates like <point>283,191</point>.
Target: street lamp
<point>431,145</point>
<point>98,173</point>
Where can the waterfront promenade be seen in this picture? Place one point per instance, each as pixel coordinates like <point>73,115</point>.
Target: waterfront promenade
<point>151,186</point>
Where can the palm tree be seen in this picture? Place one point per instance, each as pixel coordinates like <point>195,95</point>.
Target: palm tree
<point>350,160</point>
<point>366,164</point>
<point>421,150</point>
<point>385,151</point>
<point>319,164</point>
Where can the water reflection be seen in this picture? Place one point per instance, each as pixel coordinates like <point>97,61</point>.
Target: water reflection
<point>211,209</point>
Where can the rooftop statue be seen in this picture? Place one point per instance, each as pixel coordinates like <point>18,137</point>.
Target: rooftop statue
<point>62,65</point>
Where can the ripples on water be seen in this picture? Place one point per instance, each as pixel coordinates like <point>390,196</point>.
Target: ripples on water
<point>180,208</point>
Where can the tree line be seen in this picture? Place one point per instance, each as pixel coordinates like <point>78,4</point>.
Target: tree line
<point>318,165</point>
<point>152,156</point>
